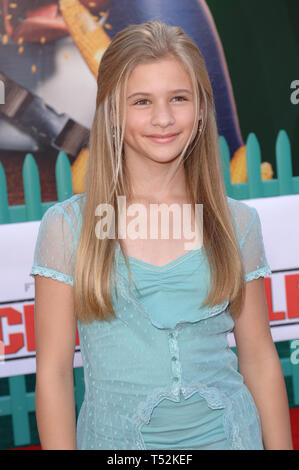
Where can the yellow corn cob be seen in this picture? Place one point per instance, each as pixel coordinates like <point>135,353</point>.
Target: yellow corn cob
<point>79,170</point>
<point>267,171</point>
<point>87,34</point>
<point>238,167</point>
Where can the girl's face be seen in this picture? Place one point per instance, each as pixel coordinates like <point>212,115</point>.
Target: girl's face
<point>163,104</point>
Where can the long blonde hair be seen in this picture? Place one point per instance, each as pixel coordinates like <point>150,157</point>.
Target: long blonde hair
<point>106,177</point>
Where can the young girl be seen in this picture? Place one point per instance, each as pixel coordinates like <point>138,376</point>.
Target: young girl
<point>152,315</point>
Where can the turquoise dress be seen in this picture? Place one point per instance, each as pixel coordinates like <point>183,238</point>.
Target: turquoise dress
<point>160,375</point>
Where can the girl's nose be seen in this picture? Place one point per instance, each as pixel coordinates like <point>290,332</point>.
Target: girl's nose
<point>162,115</point>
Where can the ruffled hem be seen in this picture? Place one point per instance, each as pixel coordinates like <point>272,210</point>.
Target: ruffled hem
<point>143,414</point>
<point>241,421</point>
<point>261,272</point>
<point>53,274</point>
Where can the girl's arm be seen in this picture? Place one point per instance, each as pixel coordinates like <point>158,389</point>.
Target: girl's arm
<point>260,366</point>
<point>55,334</point>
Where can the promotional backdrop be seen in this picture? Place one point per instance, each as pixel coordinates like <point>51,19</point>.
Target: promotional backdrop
<point>280,232</point>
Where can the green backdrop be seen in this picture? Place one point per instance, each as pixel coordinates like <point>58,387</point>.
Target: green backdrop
<point>260,40</point>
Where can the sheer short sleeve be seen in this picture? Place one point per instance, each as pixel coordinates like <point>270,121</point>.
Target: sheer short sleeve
<point>54,249</point>
<point>253,250</point>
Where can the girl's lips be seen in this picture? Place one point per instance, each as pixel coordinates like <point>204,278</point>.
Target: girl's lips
<point>162,140</point>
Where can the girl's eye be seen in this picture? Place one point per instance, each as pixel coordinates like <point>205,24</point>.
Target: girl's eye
<point>140,101</point>
<point>182,97</point>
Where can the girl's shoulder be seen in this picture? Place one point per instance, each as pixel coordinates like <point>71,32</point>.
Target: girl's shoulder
<point>71,207</point>
<point>238,208</point>
<point>57,239</point>
<point>65,215</point>
<point>71,202</point>
<point>243,217</point>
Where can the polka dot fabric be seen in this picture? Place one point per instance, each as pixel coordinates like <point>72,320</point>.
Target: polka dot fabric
<point>161,374</point>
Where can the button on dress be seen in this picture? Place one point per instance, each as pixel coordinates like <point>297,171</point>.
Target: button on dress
<point>160,375</point>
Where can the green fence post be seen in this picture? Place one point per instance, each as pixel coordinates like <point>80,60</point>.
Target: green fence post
<point>19,412</point>
<point>4,213</point>
<point>295,373</point>
<point>32,193</point>
<point>253,161</point>
<point>63,175</point>
<point>79,386</point>
<point>284,163</point>
<point>225,165</point>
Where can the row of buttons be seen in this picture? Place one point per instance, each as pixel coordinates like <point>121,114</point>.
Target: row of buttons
<point>174,349</point>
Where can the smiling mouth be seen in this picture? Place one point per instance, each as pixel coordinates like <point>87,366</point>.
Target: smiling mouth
<point>163,139</point>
